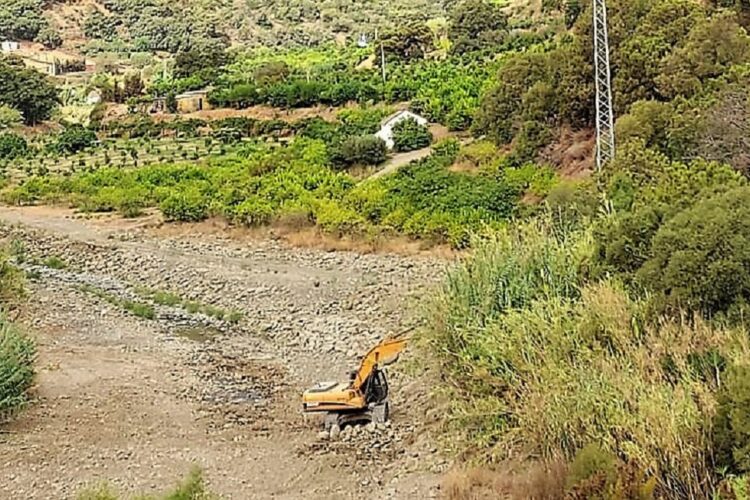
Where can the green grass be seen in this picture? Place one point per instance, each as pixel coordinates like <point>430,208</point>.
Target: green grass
<point>54,262</point>
<point>139,309</point>
<point>165,298</point>
<point>234,317</point>
<point>136,308</point>
<point>192,306</point>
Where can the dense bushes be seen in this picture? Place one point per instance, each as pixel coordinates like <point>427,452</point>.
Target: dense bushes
<point>700,259</point>
<point>444,91</point>
<point>731,433</point>
<point>360,150</point>
<point>12,146</point>
<point>21,19</point>
<point>677,232</point>
<point>409,135</point>
<point>543,362</point>
<point>186,206</point>
<point>663,50</point>
<point>424,200</point>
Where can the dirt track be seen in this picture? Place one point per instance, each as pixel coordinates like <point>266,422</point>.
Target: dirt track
<point>136,401</point>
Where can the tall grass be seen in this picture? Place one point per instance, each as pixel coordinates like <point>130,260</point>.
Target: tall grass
<point>542,362</point>
<point>17,353</point>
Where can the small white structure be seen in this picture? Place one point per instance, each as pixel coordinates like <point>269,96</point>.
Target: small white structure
<point>386,126</point>
<point>8,46</point>
<point>93,98</point>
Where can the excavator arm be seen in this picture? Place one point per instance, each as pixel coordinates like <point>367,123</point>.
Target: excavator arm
<point>385,353</point>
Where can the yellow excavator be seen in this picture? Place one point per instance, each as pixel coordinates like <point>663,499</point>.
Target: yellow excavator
<point>364,398</point>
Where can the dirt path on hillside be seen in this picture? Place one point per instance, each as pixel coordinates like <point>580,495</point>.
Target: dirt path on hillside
<point>137,401</point>
<point>400,160</point>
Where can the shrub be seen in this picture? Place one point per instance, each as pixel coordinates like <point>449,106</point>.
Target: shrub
<point>185,206</point>
<point>253,212</point>
<point>139,309</point>
<point>12,146</point>
<point>75,138</point>
<point>9,117</point>
<point>361,150</point>
<point>333,218</point>
<point>591,461</point>
<point>17,352</point>
<point>227,135</point>
<point>731,433</point>
<point>131,203</point>
<point>54,262</point>
<point>700,259</point>
<point>359,121</point>
<point>409,135</point>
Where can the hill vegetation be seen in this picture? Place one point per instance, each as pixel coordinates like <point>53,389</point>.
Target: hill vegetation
<point>591,312</point>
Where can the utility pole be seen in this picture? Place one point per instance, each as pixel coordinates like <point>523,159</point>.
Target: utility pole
<point>382,54</point>
<point>605,130</point>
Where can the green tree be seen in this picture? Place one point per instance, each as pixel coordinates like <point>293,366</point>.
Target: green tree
<point>359,150</point>
<point>407,42</point>
<point>75,138</point>
<point>26,90</point>
<point>476,25</point>
<point>711,49</point>
<point>409,135</point>
<point>701,258</point>
<point>49,37</point>
<point>498,115</point>
<point>101,26</point>
<point>133,85</point>
<point>271,72</point>
<point>205,62</point>
<point>21,19</point>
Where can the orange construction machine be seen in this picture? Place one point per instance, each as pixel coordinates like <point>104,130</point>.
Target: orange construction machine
<point>364,398</point>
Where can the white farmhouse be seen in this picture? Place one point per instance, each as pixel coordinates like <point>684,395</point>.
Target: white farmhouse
<point>386,126</point>
<point>10,46</point>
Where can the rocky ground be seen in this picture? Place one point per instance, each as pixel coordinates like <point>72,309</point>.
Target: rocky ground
<point>133,389</point>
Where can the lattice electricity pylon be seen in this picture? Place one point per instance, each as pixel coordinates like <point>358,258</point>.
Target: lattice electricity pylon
<point>605,130</point>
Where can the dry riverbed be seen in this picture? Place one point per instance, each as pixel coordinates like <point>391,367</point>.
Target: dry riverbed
<point>158,352</point>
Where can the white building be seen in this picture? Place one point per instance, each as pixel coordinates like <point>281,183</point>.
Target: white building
<point>93,98</point>
<point>386,126</point>
<point>8,46</point>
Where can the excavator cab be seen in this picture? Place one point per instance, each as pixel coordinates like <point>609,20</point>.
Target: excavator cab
<point>364,398</point>
<point>376,387</point>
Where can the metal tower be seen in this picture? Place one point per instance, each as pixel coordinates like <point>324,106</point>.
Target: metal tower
<point>605,131</point>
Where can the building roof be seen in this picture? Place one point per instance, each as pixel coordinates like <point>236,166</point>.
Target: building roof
<point>193,93</point>
<point>388,119</point>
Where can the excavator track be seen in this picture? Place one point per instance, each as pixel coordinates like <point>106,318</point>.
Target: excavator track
<point>377,414</point>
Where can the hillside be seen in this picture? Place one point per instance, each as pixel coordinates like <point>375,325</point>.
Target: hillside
<point>237,200</point>
<point>120,25</point>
